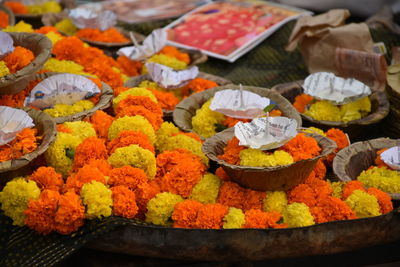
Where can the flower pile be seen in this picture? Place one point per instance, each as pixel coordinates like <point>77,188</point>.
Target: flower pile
<point>15,61</point>
<point>110,35</point>
<point>21,9</point>
<point>25,142</point>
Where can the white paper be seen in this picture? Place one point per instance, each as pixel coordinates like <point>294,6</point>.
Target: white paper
<point>392,157</point>
<point>61,89</point>
<point>12,121</point>
<point>151,45</point>
<point>328,86</point>
<point>93,18</point>
<point>260,135</point>
<point>169,78</point>
<point>239,104</point>
<point>6,44</point>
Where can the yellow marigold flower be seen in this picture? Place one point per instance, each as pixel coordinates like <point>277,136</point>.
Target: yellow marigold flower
<point>363,204</point>
<point>298,215</point>
<point>150,85</point>
<point>3,69</point>
<point>185,142</point>
<point>54,37</point>
<point>275,201</point>
<point>97,199</point>
<point>257,158</point>
<point>337,188</point>
<point>165,132</point>
<point>205,120</point>
<point>80,129</point>
<point>65,66</point>
<point>206,190</point>
<point>134,156</point>
<point>134,123</point>
<point>355,110</point>
<point>314,130</point>
<point>15,197</point>
<point>66,26</point>
<point>63,110</point>
<point>19,27</point>
<point>381,178</point>
<point>56,154</point>
<point>160,208</point>
<point>323,110</point>
<point>135,91</point>
<point>234,219</point>
<point>168,61</point>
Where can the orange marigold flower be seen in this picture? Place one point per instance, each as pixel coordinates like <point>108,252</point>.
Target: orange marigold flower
<point>197,85</point>
<point>91,148</point>
<point>40,214</point>
<point>166,100</point>
<point>253,199</point>
<point>18,59</point>
<point>256,218</point>
<point>24,143</point>
<point>46,29</point>
<point>111,35</point>
<point>101,121</point>
<point>17,100</point>
<point>127,176</point>
<point>119,90</point>
<point>47,178</point>
<point>144,101</point>
<point>16,7</point>
<point>210,216</point>
<point>231,122</point>
<point>131,68</point>
<point>191,135</point>
<point>302,147</point>
<point>331,209</point>
<point>124,202</point>
<point>144,193</point>
<point>127,138</point>
<point>104,71</point>
<point>378,161</point>
<point>301,101</point>
<point>231,194</point>
<point>384,199</point>
<point>3,19</point>
<point>185,214</point>
<point>349,187</point>
<point>63,129</point>
<point>232,152</point>
<point>220,172</point>
<point>321,187</point>
<point>340,139</point>
<point>320,169</point>
<point>68,48</point>
<point>101,164</point>
<point>86,174</point>
<point>302,193</point>
<point>70,214</point>
<point>154,119</point>
<point>174,52</point>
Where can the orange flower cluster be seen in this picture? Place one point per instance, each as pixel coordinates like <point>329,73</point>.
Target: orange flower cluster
<point>47,178</point>
<point>232,151</point>
<point>383,198</point>
<point>174,52</point>
<point>378,161</point>
<point>3,19</point>
<point>340,139</point>
<point>185,214</point>
<point>18,59</point>
<point>331,209</point>
<point>119,90</point>
<point>301,101</point>
<point>222,174</point>
<point>110,35</point>
<point>84,175</point>
<point>302,147</point>
<point>197,85</point>
<point>210,216</point>
<point>102,165</point>
<point>91,148</point>
<point>166,100</point>
<point>127,138</point>
<point>101,121</point>
<point>131,68</point>
<point>17,100</point>
<point>46,29</point>
<point>16,7</point>
<point>310,192</point>
<point>233,195</point>
<point>63,129</point>
<point>124,202</point>
<point>351,186</point>
<point>127,176</point>
<point>256,218</point>
<point>144,193</point>
<point>24,143</point>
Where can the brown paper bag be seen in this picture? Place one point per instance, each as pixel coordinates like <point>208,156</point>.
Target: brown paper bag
<point>319,36</point>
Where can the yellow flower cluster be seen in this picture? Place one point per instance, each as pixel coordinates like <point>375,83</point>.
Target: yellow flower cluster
<point>134,123</point>
<point>54,37</point>
<point>19,27</point>
<point>168,61</point>
<point>151,85</point>
<point>206,190</point>
<point>56,156</point>
<point>124,77</point>
<point>337,188</point>
<point>15,197</point>
<point>324,110</point>
<point>66,26</point>
<point>3,69</point>
<point>205,120</point>
<point>160,208</point>
<point>47,7</point>
<point>314,130</point>
<point>136,91</point>
<point>97,199</point>
<point>275,201</point>
<point>81,129</point>
<point>64,66</point>
<point>258,158</point>
<point>63,110</point>
<point>381,178</point>
<point>135,156</point>
<point>298,215</point>
<point>164,132</point>
<point>363,204</point>
<point>234,219</point>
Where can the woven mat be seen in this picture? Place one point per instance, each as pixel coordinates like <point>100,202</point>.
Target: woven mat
<point>266,65</point>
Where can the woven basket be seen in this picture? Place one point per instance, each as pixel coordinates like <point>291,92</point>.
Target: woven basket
<point>135,81</point>
<point>11,17</point>
<point>352,160</point>
<point>40,45</point>
<point>46,127</point>
<point>281,178</point>
<point>379,110</point>
<point>187,108</point>
<point>104,101</point>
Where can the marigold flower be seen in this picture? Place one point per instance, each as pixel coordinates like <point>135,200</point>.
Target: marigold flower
<point>135,123</point>
<point>46,7</point>
<point>220,172</point>
<point>168,61</point>
<point>127,176</point>
<point>16,7</point>
<point>211,216</point>
<point>101,122</point>
<point>40,213</point>
<point>126,138</point>
<point>119,90</point>
<point>64,66</point>
<point>17,100</point>
<point>66,26</point>
<point>18,59</point>
<point>340,139</point>
<point>19,27</point>
<point>97,199</point>
<point>80,129</point>
<point>297,215</point>
<point>100,164</point>
<point>165,132</point>
<point>197,85</point>
<point>47,178</point>
<point>323,111</point>
<point>144,101</point>
<point>232,152</point>
<point>260,219</point>
<point>235,218</point>
<point>86,174</point>
<point>144,193</point>
<point>275,201</point>
<point>349,187</point>
<point>63,110</point>
<point>384,199</point>
<point>153,118</point>
<point>185,214</point>
<point>363,204</point>
<point>161,207</point>
<point>25,142</point>
<point>331,209</point>
<point>205,121</point>
<point>382,178</point>
<point>131,68</point>
<point>135,91</point>
<point>70,214</point>
<point>232,195</point>
<point>302,193</point>
<point>15,197</point>
<point>355,110</point>
<point>206,190</point>
<point>124,202</point>
<point>320,169</point>
<point>378,161</point>
<point>4,71</point>
<point>302,147</point>
<point>166,100</point>
<point>191,135</point>
<point>168,160</point>
<point>174,52</point>
<point>3,20</point>
<point>111,35</point>
<point>258,158</point>
<point>301,101</point>
<point>314,130</point>
<point>90,148</point>
<point>337,188</point>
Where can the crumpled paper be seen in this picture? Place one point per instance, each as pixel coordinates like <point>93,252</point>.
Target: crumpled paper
<point>260,135</point>
<point>327,86</point>
<point>12,121</point>
<point>93,18</point>
<point>6,44</point>
<point>169,78</point>
<point>61,89</point>
<point>239,104</point>
<point>392,157</point>
<point>151,45</point>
